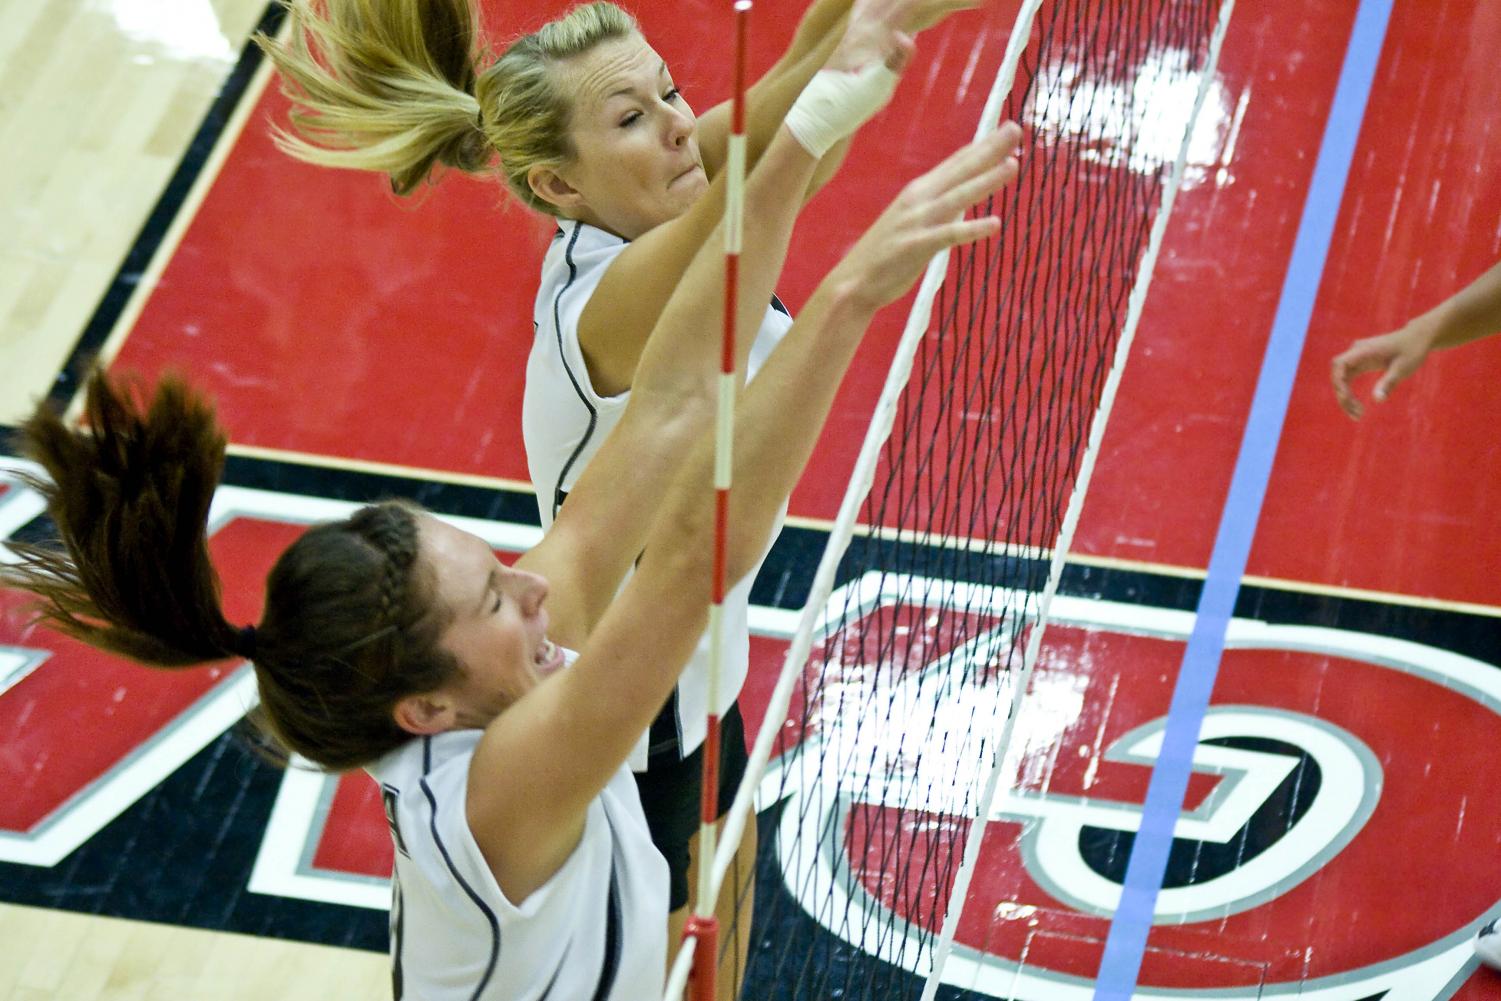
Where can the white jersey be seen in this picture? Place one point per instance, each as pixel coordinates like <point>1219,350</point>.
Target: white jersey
<point>597,931</point>
<point>564,421</point>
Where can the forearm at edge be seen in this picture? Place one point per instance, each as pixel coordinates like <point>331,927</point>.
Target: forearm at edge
<point>1470,314</point>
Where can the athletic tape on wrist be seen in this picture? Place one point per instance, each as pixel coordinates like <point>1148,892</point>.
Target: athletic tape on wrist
<point>835,103</point>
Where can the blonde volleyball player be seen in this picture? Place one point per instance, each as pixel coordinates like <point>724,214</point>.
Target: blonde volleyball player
<point>588,126</point>
<point>396,642</point>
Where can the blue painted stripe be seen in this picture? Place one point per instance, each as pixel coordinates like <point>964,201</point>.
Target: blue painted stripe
<point>1127,940</point>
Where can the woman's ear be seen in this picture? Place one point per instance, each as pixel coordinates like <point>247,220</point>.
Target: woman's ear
<point>424,715</point>
<point>547,184</point>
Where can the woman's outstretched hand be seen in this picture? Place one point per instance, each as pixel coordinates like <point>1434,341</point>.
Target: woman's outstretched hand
<point>928,216</point>
<point>877,31</point>
<point>1398,355</point>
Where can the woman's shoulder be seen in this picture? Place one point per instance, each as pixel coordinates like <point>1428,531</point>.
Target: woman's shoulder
<point>406,765</point>
<point>575,262</point>
<point>576,246</point>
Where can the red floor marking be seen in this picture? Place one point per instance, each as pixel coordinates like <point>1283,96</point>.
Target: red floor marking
<point>766,658</point>
<point>1405,501</point>
<point>1386,505</point>
<point>77,691</point>
<point>1188,384</point>
<point>1483,985</point>
<point>361,841</point>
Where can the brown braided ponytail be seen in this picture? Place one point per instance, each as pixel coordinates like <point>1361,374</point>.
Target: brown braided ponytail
<point>130,501</point>
<point>348,628</point>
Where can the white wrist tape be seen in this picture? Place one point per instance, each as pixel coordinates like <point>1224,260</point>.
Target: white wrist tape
<point>835,103</point>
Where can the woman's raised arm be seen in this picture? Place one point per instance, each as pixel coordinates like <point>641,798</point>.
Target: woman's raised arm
<point>817,34</point>
<point>672,399</point>
<point>543,760</point>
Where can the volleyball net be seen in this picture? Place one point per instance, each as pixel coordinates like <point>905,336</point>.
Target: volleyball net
<point>900,693</point>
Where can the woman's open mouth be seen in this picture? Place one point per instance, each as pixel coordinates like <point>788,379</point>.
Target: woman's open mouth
<point>549,657</point>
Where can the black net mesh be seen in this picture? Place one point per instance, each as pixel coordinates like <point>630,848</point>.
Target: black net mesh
<point>898,716</point>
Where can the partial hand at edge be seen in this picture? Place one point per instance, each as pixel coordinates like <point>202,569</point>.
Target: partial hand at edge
<point>925,14</point>
<point>1399,354</point>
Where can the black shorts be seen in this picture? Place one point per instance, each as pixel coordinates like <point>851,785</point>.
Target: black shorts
<point>671,790</point>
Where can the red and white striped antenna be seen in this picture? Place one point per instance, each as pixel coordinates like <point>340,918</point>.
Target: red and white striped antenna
<point>702,927</point>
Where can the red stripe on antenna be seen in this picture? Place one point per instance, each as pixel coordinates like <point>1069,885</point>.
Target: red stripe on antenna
<point>702,925</point>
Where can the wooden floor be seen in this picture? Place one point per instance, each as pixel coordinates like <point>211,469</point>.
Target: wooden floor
<point>46,954</point>
<point>98,102</point>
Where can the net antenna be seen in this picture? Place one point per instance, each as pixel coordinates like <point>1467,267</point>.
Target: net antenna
<point>698,960</point>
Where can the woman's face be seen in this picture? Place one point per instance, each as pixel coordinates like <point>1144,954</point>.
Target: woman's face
<point>635,141</point>
<point>497,627</point>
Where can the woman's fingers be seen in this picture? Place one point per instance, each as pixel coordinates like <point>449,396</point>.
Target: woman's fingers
<point>1363,356</point>
<point>965,179</point>
<point>1402,366</point>
<point>1340,374</point>
<point>901,51</point>
<point>964,231</point>
<point>967,162</point>
<point>975,188</point>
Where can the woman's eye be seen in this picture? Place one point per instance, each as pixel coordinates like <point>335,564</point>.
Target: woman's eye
<point>672,95</point>
<point>497,605</point>
<point>630,119</point>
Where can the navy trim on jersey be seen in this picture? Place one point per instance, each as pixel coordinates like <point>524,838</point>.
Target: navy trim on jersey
<point>557,325</point>
<point>398,925</point>
<point>665,735</point>
<point>432,802</point>
<point>780,307</point>
<point>611,968</point>
<point>388,798</point>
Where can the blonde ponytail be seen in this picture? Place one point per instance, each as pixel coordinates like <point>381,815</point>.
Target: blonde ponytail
<point>382,85</point>
<point>392,86</point>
